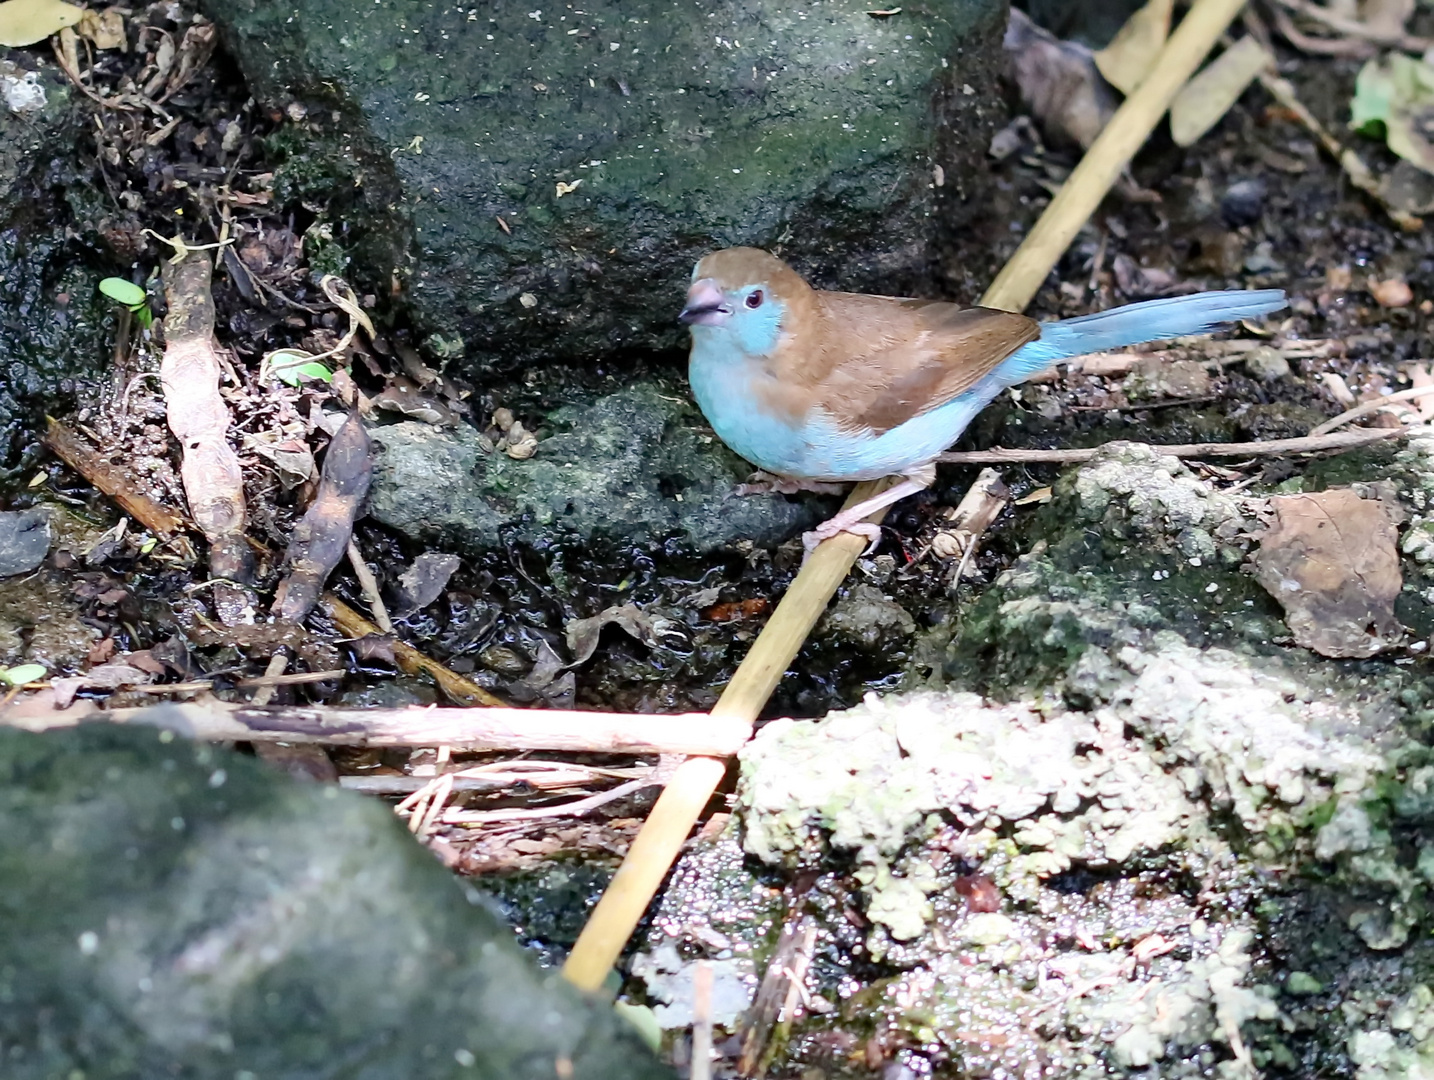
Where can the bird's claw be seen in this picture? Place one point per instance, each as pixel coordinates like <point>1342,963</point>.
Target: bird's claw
<point>868,530</point>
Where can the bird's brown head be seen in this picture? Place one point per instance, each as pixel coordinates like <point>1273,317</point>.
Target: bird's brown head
<point>747,293</point>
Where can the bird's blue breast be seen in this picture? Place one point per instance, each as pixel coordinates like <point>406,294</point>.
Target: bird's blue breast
<point>724,382</point>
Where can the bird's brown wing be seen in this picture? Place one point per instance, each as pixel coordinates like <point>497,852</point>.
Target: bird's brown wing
<point>888,362</point>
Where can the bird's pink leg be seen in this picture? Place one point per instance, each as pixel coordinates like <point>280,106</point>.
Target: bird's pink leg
<point>853,519</point>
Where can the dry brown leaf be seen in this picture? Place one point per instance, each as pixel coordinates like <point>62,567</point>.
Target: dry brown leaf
<point>1210,94</point>
<point>1391,292</point>
<point>24,22</point>
<point>104,29</point>
<point>1059,83</point>
<point>654,631</point>
<point>1330,561</point>
<point>1133,51</point>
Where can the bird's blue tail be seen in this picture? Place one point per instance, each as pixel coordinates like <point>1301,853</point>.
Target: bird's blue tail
<point>1153,320</point>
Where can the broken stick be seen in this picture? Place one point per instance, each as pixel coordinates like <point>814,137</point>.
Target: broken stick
<point>190,373</point>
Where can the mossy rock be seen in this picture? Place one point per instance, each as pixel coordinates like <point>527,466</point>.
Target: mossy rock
<point>542,180</point>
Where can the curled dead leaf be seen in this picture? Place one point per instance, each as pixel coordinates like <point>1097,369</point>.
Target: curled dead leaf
<point>103,29</point>
<point>1059,82</point>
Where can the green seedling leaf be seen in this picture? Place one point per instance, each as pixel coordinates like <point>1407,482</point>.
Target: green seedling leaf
<point>149,545</point>
<point>1394,98</point>
<point>22,674</point>
<point>124,292</point>
<point>296,374</point>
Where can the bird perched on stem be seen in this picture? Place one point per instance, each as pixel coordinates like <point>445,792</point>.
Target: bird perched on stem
<point>818,387</point>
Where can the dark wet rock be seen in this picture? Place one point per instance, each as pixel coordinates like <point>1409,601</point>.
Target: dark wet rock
<point>632,466</point>
<point>618,145</point>
<point>170,909</point>
<point>51,317</point>
<point>867,618</point>
<point>24,540</point>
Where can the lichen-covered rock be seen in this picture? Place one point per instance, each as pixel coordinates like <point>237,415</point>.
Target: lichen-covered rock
<point>1132,492</point>
<point>1165,835</point>
<point>633,466</point>
<point>865,617</point>
<point>169,909</point>
<point>546,177</point>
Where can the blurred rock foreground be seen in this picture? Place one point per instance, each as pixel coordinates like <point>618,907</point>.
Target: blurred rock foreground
<point>170,909</point>
<point>538,180</point>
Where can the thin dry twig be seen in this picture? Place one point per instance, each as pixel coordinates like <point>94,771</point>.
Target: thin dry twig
<point>118,485</point>
<point>497,776</point>
<point>369,584</point>
<point>1307,444</point>
<point>1360,175</point>
<point>1317,45</point>
<point>701,1022</point>
<point>277,663</point>
<point>1372,407</point>
<point>457,688</point>
<point>572,809</point>
<point>775,1003</point>
<point>1355,28</point>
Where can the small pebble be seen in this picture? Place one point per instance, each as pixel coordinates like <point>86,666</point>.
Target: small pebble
<point>1267,364</point>
<point>1243,203</point>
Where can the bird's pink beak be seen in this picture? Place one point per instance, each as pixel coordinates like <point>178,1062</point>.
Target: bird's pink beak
<point>706,306</point>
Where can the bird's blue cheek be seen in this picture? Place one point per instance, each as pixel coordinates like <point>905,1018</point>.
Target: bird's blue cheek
<point>757,329</point>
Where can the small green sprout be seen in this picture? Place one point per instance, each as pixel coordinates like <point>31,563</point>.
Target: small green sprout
<point>21,674</point>
<point>129,295</point>
<point>293,366</point>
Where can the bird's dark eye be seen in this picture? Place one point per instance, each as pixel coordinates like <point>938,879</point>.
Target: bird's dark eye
<point>754,298</point>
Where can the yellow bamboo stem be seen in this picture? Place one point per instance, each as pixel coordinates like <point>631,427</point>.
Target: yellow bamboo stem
<point>690,787</point>
<point>693,783</point>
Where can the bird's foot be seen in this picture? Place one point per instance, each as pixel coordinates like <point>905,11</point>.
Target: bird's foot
<point>868,530</point>
<point>765,483</point>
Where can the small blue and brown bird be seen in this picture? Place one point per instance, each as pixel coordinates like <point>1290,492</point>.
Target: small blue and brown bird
<point>816,386</point>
